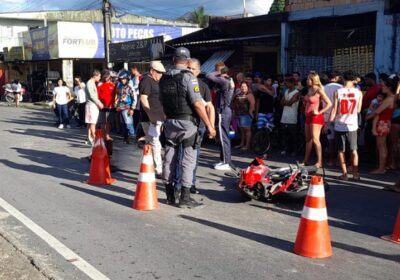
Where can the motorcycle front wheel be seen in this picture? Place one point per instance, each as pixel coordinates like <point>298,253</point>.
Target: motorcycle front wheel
<point>10,97</point>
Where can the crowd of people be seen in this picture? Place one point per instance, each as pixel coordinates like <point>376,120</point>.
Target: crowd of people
<point>331,113</point>
<point>343,110</point>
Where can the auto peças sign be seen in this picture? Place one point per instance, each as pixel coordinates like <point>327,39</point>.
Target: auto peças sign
<point>137,50</point>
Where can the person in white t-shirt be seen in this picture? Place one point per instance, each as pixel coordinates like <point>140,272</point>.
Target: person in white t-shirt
<point>80,95</point>
<point>330,90</point>
<point>61,97</point>
<point>346,107</point>
<point>290,103</point>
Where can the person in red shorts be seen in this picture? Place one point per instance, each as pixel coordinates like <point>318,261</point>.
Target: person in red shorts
<point>314,116</point>
<point>106,92</point>
<point>384,113</point>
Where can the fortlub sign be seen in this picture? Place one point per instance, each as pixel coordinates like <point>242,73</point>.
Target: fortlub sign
<point>137,50</point>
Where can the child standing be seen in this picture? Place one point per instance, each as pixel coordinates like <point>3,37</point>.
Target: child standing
<point>372,107</point>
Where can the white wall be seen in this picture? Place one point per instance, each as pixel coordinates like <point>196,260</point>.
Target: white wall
<point>10,35</point>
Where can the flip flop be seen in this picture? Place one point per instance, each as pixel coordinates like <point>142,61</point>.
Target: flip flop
<point>342,178</point>
<point>356,177</point>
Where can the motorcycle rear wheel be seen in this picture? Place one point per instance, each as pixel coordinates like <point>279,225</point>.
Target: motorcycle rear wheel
<point>261,142</point>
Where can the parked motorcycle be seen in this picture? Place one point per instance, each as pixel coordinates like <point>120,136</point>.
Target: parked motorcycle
<point>9,92</point>
<point>260,182</point>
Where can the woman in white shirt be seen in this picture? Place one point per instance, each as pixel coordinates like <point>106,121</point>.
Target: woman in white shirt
<point>80,95</point>
<point>61,97</point>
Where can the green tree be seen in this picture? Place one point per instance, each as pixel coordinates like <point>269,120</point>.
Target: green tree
<point>278,6</point>
<point>199,16</point>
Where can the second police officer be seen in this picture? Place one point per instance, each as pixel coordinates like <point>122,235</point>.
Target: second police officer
<point>183,108</point>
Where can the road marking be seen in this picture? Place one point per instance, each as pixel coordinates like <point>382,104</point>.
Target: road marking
<point>63,250</point>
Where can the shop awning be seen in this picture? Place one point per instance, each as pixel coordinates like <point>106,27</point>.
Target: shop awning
<point>223,40</point>
<point>218,56</point>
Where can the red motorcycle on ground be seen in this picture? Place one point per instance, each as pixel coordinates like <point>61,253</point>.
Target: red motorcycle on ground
<point>260,182</point>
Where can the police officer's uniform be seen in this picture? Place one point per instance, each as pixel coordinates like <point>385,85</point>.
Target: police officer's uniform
<point>179,91</point>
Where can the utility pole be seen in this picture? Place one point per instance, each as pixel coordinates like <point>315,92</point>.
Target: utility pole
<point>244,9</point>
<point>107,30</point>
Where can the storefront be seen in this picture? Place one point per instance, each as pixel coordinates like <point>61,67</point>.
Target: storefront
<point>65,49</point>
<point>361,35</point>
<point>336,43</point>
<point>246,45</point>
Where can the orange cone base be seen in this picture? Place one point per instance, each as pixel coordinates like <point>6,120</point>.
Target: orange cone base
<point>390,238</point>
<point>109,181</point>
<point>145,197</point>
<point>313,239</point>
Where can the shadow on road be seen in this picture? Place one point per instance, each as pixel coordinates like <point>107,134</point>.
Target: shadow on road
<point>113,198</point>
<point>110,197</point>
<point>351,216</point>
<point>366,252</point>
<point>62,135</point>
<point>54,171</point>
<point>260,238</point>
<point>284,244</point>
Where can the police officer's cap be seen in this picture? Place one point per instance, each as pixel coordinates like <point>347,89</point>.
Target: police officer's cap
<point>182,53</point>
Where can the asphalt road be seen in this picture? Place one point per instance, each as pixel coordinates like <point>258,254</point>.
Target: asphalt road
<point>42,170</point>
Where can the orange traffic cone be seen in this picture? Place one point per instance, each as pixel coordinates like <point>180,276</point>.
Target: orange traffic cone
<point>100,173</point>
<point>146,193</point>
<point>395,237</point>
<point>313,238</point>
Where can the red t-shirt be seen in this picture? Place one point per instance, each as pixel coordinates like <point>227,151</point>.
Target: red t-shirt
<point>106,92</point>
<point>369,95</point>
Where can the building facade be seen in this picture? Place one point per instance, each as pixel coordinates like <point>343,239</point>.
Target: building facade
<point>72,42</point>
<point>363,35</point>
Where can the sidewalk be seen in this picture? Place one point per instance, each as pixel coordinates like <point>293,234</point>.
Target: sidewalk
<point>14,265</point>
<point>27,105</point>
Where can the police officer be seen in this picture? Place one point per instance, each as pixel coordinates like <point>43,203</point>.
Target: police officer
<point>183,107</point>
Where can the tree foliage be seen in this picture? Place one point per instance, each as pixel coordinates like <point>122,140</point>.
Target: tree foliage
<point>199,16</point>
<point>278,6</point>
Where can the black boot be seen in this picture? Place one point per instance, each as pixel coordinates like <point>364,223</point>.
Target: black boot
<point>186,201</point>
<point>194,190</point>
<point>169,190</point>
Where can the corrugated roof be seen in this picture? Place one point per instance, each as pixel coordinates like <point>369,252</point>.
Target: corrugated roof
<point>218,56</point>
<point>213,41</point>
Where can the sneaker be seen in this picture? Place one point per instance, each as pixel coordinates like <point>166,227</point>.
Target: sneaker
<point>68,126</point>
<point>61,126</point>
<point>89,142</point>
<point>224,167</point>
<point>219,163</point>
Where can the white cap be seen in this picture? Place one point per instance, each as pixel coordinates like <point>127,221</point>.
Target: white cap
<point>157,65</point>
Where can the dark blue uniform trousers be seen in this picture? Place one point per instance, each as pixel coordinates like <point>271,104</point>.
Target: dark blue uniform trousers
<point>224,122</point>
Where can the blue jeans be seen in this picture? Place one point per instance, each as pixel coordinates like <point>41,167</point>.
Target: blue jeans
<point>63,115</point>
<point>127,124</point>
